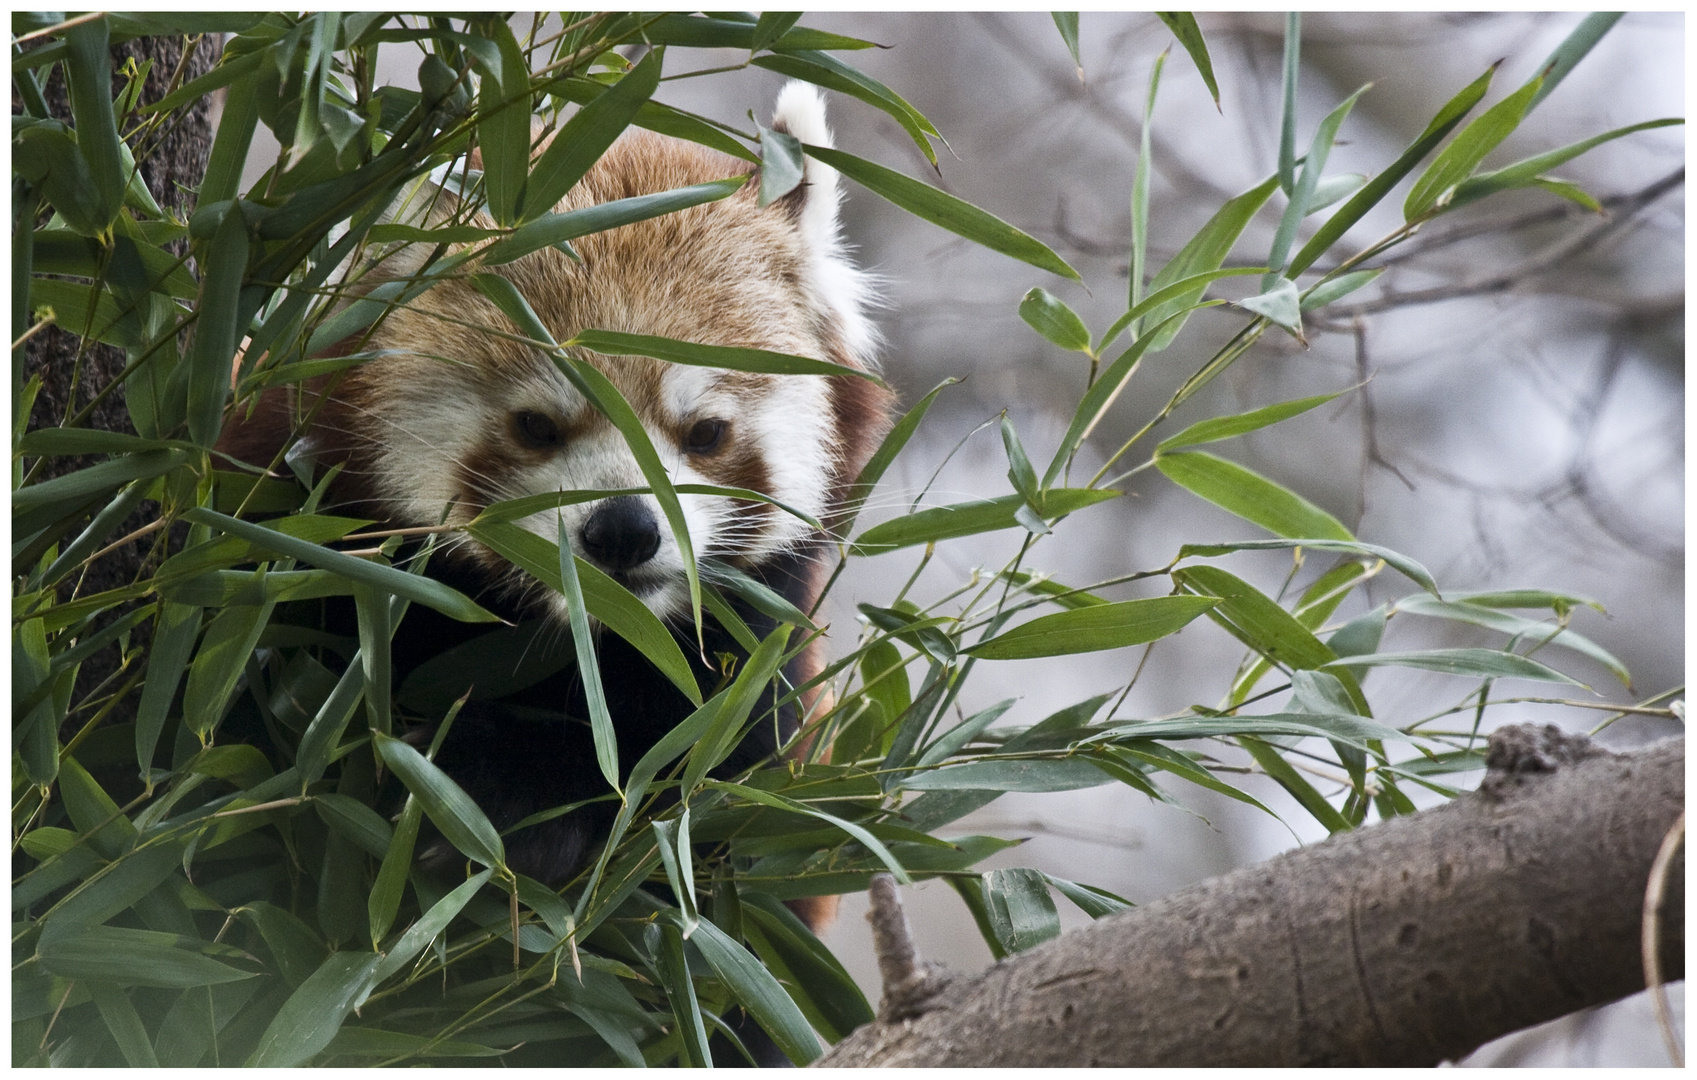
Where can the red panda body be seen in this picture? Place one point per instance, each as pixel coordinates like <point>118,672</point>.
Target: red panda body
<point>455,412</point>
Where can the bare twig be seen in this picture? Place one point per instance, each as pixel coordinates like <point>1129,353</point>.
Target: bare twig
<point>1654,894</point>
<point>908,984</point>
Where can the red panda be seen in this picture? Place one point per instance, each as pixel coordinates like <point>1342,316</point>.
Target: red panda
<point>448,418</point>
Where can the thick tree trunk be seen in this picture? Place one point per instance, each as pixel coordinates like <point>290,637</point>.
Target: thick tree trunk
<point>1407,943</point>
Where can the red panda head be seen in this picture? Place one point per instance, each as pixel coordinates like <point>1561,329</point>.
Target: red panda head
<point>450,417</point>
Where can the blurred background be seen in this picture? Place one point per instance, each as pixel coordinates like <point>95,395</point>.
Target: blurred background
<point>1520,423</point>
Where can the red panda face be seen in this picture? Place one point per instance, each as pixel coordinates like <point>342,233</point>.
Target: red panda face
<point>456,413</point>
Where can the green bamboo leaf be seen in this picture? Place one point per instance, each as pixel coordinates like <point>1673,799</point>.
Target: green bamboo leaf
<point>1051,317</point>
<point>672,838</point>
<point>662,119</point>
<point>1379,186</point>
<point>313,1014</point>
<point>666,944</point>
<point>1408,567</point>
<point>1249,495</point>
<point>89,67</point>
<point>104,477</point>
<point>823,989</point>
<point>968,519</point>
<point>1255,619</point>
<point>1528,171</point>
<point>781,166</point>
<point>424,931</point>
<point>218,331</point>
<point>943,209</point>
<point>1287,114</point>
<point>1093,901</point>
<point>726,730</point>
<point>385,898</point>
<point>1334,189</point>
<point>173,644</point>
<point>962,733</point>
<point>295,947</point>
<point>355,821</point>
<point>1192,286</point>
<point>379,1043</point>
<point>1204,252</point>
<point>610,603</point>
<point>1359,635</point>
<point>1572,50</point>
<point>1302,195</point>
<point>331,719</point>
<point>1229,427</point>
<point>550,230</point>
<point>1032,775</point>
<point>430,593</point>
<point>824,70</point>
<point>614,343</point>
<point>503,130</point>
<point>229,640</point>
<point>1470,610</point>
<point>1288,778</point>
<point>1167,759</point>
<point>124,1024</point>
<point>120,887</point>
<point>128,957</point>
<point>46,154</point>
<point>1091,629</point>
<point>1067,23</point>
<point>588,664</point>
<point>767,798</point>
<point>38,731</point>
<point>1183,25</point>
<point>772,26</point>
<point>737,32</point>
<point>588,134</point>
<point>1560,603</point>
<point>1281,304</point>
<point>1140,192</point>
<point>1436,186</point>
<point>1483,663</point>
<point>1568,190</point>
<point>1337,288</point>
<point>450,809</point>
<point>758,992</point>
<point>1020,909</point>
<point>1020,473</point>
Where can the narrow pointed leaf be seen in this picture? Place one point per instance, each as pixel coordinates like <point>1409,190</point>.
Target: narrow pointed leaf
<point>1229,427</point>
<point>445,802</point>
<point>313,1014</point>
<point>968,519</point>
<point>552,229</point>
<point>1483,663</point>
<point>588,134</point>
<point>943,209</point>
<point>1250,496</point>
<point>1091,629</point>
<point>1021,912</point>
<point>1183,25</point>
<point>1460,158</point>
<point>1051,317</point>
<point>1529,170</point>
<point>614,343</point>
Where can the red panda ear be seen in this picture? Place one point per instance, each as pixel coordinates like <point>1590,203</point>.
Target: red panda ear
<point>801,112</point>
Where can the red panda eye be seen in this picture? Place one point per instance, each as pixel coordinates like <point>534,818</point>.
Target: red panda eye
<point>535,429</point>
<point>704,436</point>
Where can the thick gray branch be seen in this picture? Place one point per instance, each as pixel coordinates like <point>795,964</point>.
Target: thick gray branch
<point>1407,943</point>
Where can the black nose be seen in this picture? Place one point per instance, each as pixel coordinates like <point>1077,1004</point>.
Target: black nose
<point>621,534</point>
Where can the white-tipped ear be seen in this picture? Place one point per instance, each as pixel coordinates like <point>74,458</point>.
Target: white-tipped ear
<point>801,112</point>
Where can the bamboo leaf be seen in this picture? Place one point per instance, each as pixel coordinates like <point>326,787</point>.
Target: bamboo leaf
<point>1091,629</point>
<point>1482,663</point>
<point>1229,427</point>
<point>588,134</point>
<point>1436,186</point>
<point>449,808</point>
<point>1020,909</point>
<point>313,1014</point>
<point>943,209</point>
<point>1051,317</point>
<point>614,343</point>
<point>968,519</point>
<point>1249,495</point>
<point>551,230</point>
<point>1183,25</point>
<point>588,665</point>
<point>1528,171</point>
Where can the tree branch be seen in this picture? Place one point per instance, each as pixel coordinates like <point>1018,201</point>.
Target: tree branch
<point>1407,943</point>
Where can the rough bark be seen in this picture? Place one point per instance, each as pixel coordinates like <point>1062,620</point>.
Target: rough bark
<point>1407,943</point>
